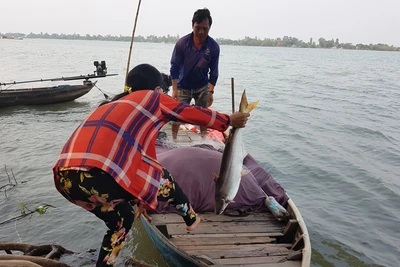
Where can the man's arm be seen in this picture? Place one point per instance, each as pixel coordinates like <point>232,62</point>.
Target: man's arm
<point>176,62</point>
<point>214,65</point>
<point>213,73</point>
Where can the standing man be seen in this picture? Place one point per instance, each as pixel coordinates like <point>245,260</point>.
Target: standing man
<point>194,66</point>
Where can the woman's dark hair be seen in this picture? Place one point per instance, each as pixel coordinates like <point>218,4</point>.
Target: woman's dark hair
<point>141,77</point>
<point>200,15</point>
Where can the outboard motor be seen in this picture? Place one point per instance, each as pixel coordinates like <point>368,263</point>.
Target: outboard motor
<point>101,68</point>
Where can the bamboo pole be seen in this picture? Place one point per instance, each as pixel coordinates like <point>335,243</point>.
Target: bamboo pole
<point>233,94</point>
<point>133,37</point>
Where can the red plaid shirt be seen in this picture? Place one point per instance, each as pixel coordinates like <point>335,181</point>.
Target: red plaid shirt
<point>119,138</point>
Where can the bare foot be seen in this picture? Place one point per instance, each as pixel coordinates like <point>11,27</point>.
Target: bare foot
<point>191,228</point>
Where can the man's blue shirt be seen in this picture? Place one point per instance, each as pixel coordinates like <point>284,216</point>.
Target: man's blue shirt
<point>195,68</point>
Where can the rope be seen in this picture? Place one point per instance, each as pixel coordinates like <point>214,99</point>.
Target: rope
<point>106,96</point>
<point>133,36</point>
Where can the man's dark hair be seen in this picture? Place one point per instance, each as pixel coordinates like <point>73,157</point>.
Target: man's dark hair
<point>200,15</point>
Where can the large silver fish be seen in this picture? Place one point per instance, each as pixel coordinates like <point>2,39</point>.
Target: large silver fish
<point>228,180</point>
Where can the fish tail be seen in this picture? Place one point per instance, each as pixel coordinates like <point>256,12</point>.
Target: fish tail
<point>245,106</point>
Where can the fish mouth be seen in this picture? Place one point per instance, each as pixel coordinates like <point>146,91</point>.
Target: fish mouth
<point>220,206</point>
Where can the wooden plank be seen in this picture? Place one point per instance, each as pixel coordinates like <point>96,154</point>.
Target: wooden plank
<point>231,227</point>
<point>268,224</point>
<point>206,235</point>
<point>266,264</point>
<point>216,255</point>
<point>212,240</point>
<point>256,225</point>
<point>265,216</point>
<point>233,251</point>
<point>252,260</point>
<point>210,217</point>
<point>298,244</point>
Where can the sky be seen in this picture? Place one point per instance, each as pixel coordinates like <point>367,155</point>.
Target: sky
<point>351,21</point>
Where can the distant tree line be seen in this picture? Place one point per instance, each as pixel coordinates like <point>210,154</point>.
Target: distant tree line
<point>286,41</point>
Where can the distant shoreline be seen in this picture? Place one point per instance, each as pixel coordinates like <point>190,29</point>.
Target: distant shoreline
<point>286,41</point>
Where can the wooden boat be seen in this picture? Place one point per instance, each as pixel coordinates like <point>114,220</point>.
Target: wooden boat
<point>44,95</point>
<point>52,94</point>
<point>254,239</point>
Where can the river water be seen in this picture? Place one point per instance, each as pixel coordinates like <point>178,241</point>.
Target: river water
<point>327,129</point>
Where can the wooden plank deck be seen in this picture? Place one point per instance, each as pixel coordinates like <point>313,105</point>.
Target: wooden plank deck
<point>229,240</point>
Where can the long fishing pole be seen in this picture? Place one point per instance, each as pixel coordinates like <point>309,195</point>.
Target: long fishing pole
<point>81,77</point>
<point>133,36</point>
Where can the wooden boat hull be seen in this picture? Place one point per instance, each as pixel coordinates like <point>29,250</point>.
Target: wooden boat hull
<point>171,254</point>
<point>44,95</point>
<point>221,240</point>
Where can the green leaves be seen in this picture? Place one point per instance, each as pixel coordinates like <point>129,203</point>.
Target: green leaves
<point>42,209</point>
<point>39,209</point>
<point>22,207</point>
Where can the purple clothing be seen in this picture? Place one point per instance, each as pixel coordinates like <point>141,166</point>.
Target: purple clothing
<point>194,68</point>
<point>193,169</point>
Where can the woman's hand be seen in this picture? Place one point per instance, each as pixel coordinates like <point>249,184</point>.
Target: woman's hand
<point>141,210</point>
<point>239,119</point>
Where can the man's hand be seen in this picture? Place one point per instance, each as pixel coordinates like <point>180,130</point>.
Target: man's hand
<point>174,94</point>
<point>210,99</point>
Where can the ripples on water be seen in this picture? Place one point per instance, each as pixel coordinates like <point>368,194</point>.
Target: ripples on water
<point>326,128</point>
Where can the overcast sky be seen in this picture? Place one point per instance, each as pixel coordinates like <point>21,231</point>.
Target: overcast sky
<point>353,21</point>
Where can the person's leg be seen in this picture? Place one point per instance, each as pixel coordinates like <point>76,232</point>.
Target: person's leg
<point>98,192</point>
<point>183,96</point>
<point>201,99</point>
<point>119,221</point>
<point>170,192</point>
<point>175,129</point>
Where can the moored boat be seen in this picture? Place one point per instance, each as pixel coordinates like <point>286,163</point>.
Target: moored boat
<point>44,95</point>
<point>51,94</point>
<point>247,234</point>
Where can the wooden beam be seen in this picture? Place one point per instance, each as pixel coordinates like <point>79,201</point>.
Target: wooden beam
<point>290,230</point>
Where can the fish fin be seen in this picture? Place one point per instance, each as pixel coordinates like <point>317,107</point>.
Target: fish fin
<point>252,105</point>
<point>245,106</point>
<point>215,176</point>
<point>243,102</point>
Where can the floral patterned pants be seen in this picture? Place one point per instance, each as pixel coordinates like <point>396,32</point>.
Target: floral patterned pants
<point>98,192</point>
